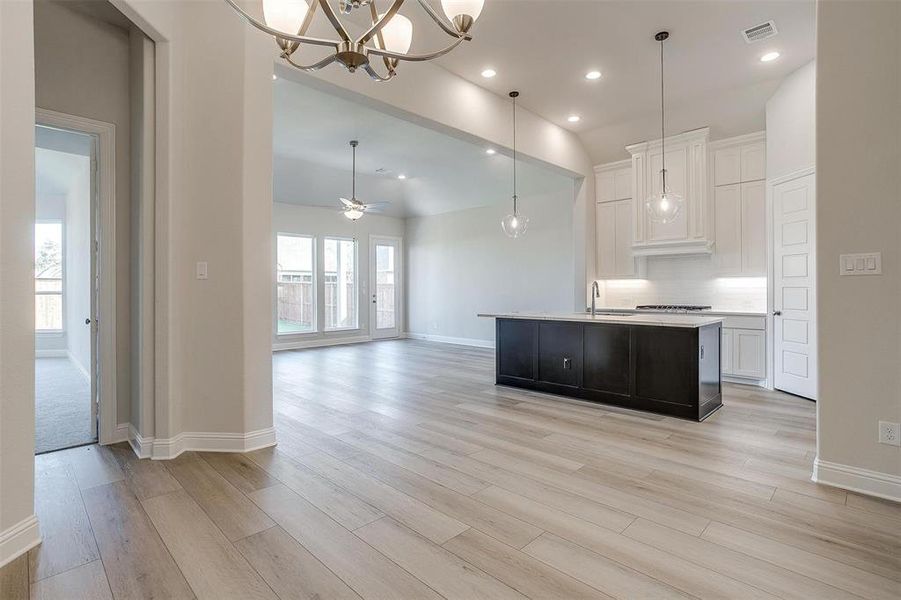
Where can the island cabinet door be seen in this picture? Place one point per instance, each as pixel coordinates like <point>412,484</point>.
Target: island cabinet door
<point>560,353</point>
<point>606,358</point>
<point>517,342</point>
<point>665,369</point>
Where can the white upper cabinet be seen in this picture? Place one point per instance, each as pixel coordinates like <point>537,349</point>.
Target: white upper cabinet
<point>614,222</point>
<point>739,205</point>
<point>686,174</point>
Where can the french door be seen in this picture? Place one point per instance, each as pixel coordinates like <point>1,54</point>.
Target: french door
<point>794,285</point>
<point>386,287</point>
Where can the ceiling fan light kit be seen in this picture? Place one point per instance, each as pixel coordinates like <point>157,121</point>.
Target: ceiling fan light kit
<point>388,37</point>
<point>353,209</point>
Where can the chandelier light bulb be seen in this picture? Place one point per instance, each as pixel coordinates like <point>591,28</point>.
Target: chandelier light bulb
<point>462,8</point>
<point>398,34</point>
<point>515,225</point>
<point>664,207</point>
<point>285,15</point>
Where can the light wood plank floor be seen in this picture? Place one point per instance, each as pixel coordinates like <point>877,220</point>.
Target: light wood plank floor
<point>403,472</point>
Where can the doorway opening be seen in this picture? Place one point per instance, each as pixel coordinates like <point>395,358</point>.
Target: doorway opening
<point>65,270</point>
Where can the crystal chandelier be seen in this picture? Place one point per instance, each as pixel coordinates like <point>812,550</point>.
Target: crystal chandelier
<point>666,205</point>
<point>515,225</point>
<point>388,36</point>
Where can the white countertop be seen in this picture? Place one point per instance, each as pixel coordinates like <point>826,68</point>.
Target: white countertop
<point>653,319</point>
<point>714,312</point>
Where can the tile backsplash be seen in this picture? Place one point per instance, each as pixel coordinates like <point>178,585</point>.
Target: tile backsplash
<point>686,280</point>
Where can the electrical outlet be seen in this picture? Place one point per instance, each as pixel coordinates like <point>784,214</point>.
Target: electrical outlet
<point>889,433</point>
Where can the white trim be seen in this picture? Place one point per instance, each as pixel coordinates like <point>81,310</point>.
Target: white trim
<point>106,300</point>
<point>738,140</point>
<point>733,379</point>
<point>52,353</point>
<point>613,166</point>
<point>205,441</point>
<point>19,539</point>
<point>319,342</point>
<point>443,339</point>
<point>855,479</point>
<point>121,434</point>
<point>143,447</point>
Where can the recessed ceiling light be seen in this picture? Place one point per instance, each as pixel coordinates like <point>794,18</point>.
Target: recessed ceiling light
<point>274,77</point>
<point>490,151</point>
<point>573,118</point>
<point>489,73</point>
<point>769,56</point>
<point>401,176</point>
<point>592,75</point>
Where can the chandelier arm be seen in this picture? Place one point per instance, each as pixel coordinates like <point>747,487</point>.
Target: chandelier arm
<point>373,74</point>
<point>281,34</point>
<point>415,57</point>
<point>379,22</point>
<point>435,17</point>
<point>313,67</point>
<point>333,19</point>
<point>308,19</point>
<point>380,39</point>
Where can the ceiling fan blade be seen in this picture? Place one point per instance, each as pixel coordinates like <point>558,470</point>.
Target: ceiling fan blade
<point>346,202</point>
<point>376,204</point>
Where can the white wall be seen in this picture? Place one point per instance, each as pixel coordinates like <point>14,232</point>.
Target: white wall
<point>461,263</point>
<point>82,68</point>
<point>791,123</point>
<point>18,526</point>
<point>322,222</point>
<point>858,151</point>
<point>77,267</point>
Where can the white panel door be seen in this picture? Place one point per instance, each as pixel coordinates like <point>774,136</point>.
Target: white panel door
<point>794,286</point>
<point>386,287</point>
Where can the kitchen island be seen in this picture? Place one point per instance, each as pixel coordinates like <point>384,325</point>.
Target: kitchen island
<point>662,363</point>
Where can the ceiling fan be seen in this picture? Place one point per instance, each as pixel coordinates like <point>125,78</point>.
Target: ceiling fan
<point>353,209</point>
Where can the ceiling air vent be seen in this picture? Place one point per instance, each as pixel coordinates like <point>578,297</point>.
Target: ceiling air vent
<point>760,32</point>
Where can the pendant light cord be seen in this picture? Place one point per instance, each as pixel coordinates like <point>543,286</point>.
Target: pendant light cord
<point>353,189</point>
<point>514,156</point>
<point>662,125</point>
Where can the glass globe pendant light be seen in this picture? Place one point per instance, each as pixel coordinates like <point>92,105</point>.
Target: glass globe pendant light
<point>665,205</point>
<point>515,225</point>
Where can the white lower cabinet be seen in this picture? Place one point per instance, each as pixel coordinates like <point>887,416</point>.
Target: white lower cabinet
<point>744,353</point>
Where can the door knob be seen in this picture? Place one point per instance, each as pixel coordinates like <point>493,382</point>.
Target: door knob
<point>87,321</point>
<point>777,313</point>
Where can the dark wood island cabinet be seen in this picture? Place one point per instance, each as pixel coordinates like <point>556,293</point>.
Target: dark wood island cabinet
<point>666,364</point>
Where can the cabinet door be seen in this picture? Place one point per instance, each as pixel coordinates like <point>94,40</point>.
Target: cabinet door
<point>516,348</point>
<point>727,166</point>
<point>753,162</point>
<point>606,363</point>
<point>727,218</point>
<point>749,353</point>
<point>606,188</point>
<point>560,353</point>
<point>726,348</point>
<point>625,262</point>
<point>606,239</point>
<point>622,184</point>
<point>753,228</point>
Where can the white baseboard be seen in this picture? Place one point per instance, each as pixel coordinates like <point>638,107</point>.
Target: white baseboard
<point>319,342</point>
<point>79,366</point>
<point>205,441</point>
<point>443,339</point>
<point>121,433</point>
<point>52,353</point>
<point>142,446</point>
<point>855,479</point>
<point>757,382</point>
<point>19,539</point>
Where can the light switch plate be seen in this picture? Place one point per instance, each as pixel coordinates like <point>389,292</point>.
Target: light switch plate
<point>866,263</point>
<point>201,270</point>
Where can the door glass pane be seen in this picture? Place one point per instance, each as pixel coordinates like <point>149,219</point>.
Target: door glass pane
<point>296,289</point>
<point>340,284</point>
<point>384,286</point>
<point>48,276</point>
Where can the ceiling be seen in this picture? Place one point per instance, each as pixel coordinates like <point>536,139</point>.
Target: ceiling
<point>312,159</point>
<point>60,159</point>
<point>544,48</point>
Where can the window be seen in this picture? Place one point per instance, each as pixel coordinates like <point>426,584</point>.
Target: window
<point>48,276</point>
<point>295,277</point>
<point>384,286</point>
<point>340,270</point>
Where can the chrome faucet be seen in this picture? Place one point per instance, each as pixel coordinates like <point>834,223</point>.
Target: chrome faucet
<point>595,293</point>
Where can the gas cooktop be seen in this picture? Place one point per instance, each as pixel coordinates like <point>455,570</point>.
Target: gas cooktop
<point>673,307</point>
